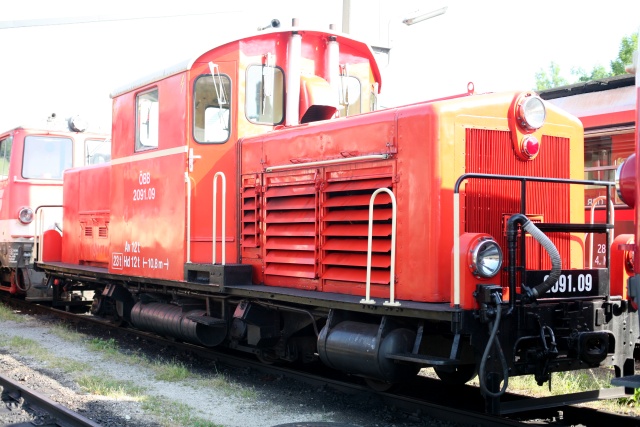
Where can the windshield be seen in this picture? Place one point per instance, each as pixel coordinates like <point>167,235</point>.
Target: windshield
<point>46,157</point>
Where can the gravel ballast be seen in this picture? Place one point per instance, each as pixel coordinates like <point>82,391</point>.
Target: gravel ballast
<point>243,398</point>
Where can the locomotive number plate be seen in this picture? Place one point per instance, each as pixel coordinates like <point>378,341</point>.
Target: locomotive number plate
<point>571,283</point>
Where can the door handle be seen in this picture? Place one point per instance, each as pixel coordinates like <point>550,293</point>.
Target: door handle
<point>192,157</point>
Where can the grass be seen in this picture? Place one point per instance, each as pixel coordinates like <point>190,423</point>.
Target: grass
<point>67,365</point>
<point>28,347</point>
<point>221,383</point>
<point>7,314</point>
<point>116,389</point>
<point>108,347</point>
<point>171,371</point>
<point>173,414</point>
<point>66,333</point>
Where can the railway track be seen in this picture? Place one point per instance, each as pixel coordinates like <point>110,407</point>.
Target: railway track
<point>45,411</point>
<point>423,397</point>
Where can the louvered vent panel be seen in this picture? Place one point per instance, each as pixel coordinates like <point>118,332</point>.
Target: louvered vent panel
<point>487,203</point>
<point>87,230</point>
<point>290,226</point>
<point>103,231</point>
<point>345,230</point>
<point>250,213</point>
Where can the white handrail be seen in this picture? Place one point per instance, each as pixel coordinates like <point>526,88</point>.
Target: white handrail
<point>188,182</point>
<point>367,299</point>
<point>224,216</point>
<point>612,211</point>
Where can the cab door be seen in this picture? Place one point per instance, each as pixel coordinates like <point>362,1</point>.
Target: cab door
<point>212,157</point>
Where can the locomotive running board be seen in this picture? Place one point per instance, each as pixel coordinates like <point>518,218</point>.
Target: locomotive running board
<point>218,275</point>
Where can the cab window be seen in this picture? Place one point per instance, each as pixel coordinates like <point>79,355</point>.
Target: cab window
<point>147,120</point>
<point>97,151</point>
<point>46,157</point>
<point>350,102</point>
<point>212,108</point>
<point>265,95</point>
<point>5,156</point>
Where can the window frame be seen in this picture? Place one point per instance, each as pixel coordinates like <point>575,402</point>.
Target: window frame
<point>138,145</point>
<point>59,139</point>
<point>283,96</point>
<point>194,106</point>
<point>3,153</point>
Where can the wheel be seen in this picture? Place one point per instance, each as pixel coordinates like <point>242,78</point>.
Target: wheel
<point>457,375</point>
<point>267,357</point>
<point>378,385</point>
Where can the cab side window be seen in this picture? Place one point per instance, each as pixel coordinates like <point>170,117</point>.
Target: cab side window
<point>5,156</point>
<point>147,120</point>
<point>212,108</point>
<point>265,95</point>
<point>350,101</point>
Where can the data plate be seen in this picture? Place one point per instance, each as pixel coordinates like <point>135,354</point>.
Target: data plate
<point>571,283</point>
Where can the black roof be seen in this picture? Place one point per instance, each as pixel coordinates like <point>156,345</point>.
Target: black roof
<point>609,83</point>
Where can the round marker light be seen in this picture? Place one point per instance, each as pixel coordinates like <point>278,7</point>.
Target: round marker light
<point>626,181</point>
<point>530,146</point>
<point>531,112</point>
<point>486,258</point>
<point>25,215</point>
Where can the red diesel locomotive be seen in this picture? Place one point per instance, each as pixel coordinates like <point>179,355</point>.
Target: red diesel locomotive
<point>32,161</point>
<point>255,199</point>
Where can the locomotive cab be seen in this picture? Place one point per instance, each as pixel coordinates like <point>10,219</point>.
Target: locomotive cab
<point>247,87</point>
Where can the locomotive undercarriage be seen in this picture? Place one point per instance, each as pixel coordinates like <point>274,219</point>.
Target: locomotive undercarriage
<point>383,345</point>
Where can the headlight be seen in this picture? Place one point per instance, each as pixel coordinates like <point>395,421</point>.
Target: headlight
<point>531,112</point>
<point>25,215</point>
<point>486,258</point>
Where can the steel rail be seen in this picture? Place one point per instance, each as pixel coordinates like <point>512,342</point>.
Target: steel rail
<point>60,415</point>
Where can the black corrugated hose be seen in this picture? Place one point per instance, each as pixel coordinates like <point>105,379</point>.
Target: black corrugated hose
<point>485,356</point>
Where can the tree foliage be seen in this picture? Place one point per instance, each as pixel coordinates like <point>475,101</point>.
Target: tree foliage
<point>550,78</point>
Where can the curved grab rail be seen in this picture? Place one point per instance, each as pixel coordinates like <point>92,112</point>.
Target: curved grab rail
<point>224,216</point>
<point>367,299</point>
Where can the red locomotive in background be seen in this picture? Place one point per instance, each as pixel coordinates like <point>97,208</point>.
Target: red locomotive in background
<point>256,199</point>
<point>32,161</point>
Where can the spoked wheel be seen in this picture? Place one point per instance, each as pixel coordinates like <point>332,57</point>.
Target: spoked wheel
<point>458,375</point>
<point>378,385</point>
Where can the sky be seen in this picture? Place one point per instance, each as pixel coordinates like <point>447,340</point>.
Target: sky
<point>71,68</point>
